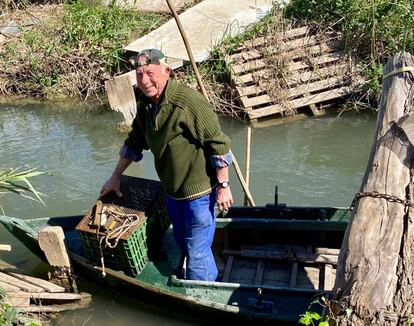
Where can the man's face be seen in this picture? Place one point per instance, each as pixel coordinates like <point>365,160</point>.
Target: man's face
<point>152,78</point>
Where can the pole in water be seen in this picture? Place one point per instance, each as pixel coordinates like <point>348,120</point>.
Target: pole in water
<point>276,196</point>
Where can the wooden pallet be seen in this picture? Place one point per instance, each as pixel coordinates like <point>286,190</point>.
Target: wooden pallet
<point>314,73</point>
<point>282,266</point>
<point>31,294</point>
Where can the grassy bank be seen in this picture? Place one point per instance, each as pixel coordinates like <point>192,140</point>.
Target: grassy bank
<point>70,51</point>
<point>77,46</point>
<point>374,30</point>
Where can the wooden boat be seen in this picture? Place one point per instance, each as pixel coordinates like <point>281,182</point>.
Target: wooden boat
<point>273,261</point>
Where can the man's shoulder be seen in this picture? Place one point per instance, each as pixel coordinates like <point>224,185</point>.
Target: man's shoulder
<point>187,98</point>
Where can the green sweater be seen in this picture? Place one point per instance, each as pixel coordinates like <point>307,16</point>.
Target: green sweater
<point>183,136</point>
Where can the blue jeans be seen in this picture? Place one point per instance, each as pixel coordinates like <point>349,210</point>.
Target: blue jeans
<point>194,224</point>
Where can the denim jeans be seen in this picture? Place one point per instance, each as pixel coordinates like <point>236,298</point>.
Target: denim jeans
<point>194,224</point>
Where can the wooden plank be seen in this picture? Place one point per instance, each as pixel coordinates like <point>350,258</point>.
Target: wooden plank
<point>298,90</point>
<point>259,272</point>
<point>293,66</point>
<point>327,251</point>
<point>249,90</point>
<point>50,296</point>
<point>293,274</point>
<point>292,33</point>
<point>300,257</point>
<point>227,271</point>
<point>121,95</point>
<point>282,47</point>
<point>301,102</point>
<point>323,59</point>
<point>293,92</point>
<point>329,277</point>
<point>315,86</point>
<point>308,277</point>
<point>17,302</point>
<point>55,308</point>
<point>243,270</point>
<point>276,273</point>
<point>21,284</point>
<point>51,241</point>
<point>293,54</point>
<point>9,287</point>
<point>295,77</point>
<point>48,286</point>
<point>255,101</point>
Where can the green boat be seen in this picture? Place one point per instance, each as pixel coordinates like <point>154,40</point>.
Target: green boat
<point>273,261</point>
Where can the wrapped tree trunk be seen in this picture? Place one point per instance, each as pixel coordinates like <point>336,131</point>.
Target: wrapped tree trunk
<point>375,272</point>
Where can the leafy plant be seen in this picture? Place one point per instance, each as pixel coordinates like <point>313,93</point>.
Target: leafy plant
<point>310,318</point>
<point>11,316</point>
<point>16,181</point>
<point>313,318</point>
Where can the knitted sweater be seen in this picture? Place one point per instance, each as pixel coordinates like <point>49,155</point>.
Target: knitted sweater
<point>182,137</point>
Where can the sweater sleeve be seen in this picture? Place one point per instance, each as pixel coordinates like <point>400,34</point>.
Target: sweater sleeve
<point>136,141</point>
<point>203,123</point>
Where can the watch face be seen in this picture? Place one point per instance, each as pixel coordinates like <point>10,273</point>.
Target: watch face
<point>224,184</point>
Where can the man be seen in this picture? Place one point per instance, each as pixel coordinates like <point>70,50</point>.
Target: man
<point>191,157</point>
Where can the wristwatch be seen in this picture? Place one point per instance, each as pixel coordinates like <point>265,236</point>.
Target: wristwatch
<point>224,184</point>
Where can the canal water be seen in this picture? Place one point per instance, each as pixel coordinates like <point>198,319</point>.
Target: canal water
<point>316,162</point>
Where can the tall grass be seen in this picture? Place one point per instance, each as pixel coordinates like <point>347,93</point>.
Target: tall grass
<point>73,53</point>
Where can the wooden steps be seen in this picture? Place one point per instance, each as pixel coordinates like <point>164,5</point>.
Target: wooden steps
<point>31,294</point>
<point>283,266</point>
<point>309,67</point>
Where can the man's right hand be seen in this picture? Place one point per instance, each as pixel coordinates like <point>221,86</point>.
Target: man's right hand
<point>112,184</point>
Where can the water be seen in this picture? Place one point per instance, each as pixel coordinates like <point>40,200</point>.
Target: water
<point>313,162</point>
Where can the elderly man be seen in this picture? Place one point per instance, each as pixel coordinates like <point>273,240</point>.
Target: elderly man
<point>191,156</point>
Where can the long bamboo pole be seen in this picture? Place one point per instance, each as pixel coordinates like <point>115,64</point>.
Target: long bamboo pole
<point>247,165</point>
<point>204,92</point>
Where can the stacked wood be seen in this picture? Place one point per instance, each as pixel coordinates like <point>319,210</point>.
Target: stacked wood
<point>311,68</point>
<point>376,265</point>
<point>31,294</point>
<point>284,266</point>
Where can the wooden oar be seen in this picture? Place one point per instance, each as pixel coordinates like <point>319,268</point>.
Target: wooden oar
<point>204,92</point>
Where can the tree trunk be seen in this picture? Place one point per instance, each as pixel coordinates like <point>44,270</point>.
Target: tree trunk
<point>375,271</point>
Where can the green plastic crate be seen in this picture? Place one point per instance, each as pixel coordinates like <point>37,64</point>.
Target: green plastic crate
<point>144,241</point>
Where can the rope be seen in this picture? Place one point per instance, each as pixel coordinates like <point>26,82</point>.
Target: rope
<point>397,71</point>
<point>130,220</point>
<point>375,194</point>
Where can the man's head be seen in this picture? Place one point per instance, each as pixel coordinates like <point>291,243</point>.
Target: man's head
<point>152,73</point>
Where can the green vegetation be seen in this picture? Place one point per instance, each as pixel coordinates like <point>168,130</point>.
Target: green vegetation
<point>72,52</point>
<point>374,29</point>
<point>330,307</point>
<point>11,316</point>
<point>16,181</point>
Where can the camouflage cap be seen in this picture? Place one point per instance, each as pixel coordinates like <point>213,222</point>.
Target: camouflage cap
<point>153,56</point>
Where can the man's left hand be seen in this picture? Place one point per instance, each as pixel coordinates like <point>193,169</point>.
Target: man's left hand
<point>224,199</point>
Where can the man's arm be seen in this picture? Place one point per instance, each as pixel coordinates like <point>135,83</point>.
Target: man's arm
<point>224,196</point>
